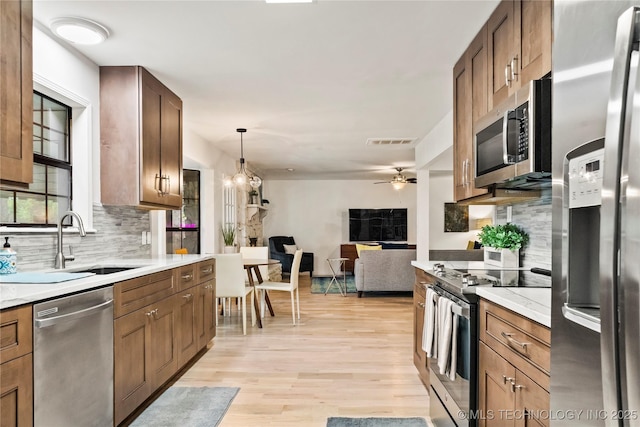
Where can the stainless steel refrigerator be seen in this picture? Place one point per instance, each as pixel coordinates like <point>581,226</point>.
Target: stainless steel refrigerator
<point>595,338</point>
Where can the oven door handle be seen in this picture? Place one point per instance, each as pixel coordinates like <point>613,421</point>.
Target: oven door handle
<point>459,307</point>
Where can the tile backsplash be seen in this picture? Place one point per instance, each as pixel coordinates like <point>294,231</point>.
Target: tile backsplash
<point>119,230</point>
<point>535,218</point>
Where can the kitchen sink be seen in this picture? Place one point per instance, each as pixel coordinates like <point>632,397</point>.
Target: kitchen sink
<point>104,269</point>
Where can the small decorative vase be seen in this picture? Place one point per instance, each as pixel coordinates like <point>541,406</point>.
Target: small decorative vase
<point>229,249</point>
<point>253,241</point>
<point>503,258</point>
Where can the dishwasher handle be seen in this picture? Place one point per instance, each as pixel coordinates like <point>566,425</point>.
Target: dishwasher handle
<point>50,321</point>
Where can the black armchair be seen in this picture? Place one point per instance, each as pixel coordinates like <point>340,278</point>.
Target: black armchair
<point>276,251</point>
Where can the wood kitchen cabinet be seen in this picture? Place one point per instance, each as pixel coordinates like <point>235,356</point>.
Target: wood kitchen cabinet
<point>519,36</point>
<point>16,92</point>
<point>187,334</point>
<point>469,104</point>
<point>511,49</point>
<point>162,320</point>
<point>514,361</point>
<point>419,296</point>
<point>141,140</point>
<point>16,367</point>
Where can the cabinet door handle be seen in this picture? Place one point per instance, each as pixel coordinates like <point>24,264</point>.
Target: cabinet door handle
<point>513,343</point>
<point>515,387</point>
<point>507,75</point>
<point>207,270</point>
<point>506,379</point>
<point>187,277</point>
<point>421,304</point>
<point>157,184</point>
<point>514,68</point>
<point>464,172</point>
<point>187,297</point>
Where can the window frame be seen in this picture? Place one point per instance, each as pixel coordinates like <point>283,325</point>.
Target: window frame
<point>46,162</point>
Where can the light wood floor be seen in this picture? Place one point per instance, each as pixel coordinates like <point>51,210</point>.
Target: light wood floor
<point>348,356</point>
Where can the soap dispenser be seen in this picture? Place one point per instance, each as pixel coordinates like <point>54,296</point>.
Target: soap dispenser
<point>8,258</point>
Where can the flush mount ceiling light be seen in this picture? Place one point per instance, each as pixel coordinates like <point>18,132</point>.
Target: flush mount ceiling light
<point>79,30</point>
<point>243,177</point>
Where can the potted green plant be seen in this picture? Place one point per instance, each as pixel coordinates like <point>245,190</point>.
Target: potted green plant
<point>229,237</point>
<point>502,244</point>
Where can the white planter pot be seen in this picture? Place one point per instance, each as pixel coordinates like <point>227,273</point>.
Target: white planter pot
<point>503,258</point>
<point>230,250</point>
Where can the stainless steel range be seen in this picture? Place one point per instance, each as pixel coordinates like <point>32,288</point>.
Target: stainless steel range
<point>454,401</point>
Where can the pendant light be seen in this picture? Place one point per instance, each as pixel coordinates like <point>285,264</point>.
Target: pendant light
<point>242,177</point>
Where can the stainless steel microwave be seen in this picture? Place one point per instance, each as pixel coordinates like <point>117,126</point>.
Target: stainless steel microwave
<point>512,143</point>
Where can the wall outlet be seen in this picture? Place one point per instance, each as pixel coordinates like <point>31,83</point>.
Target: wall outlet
<point>143,240</point>
<point>509,209</point>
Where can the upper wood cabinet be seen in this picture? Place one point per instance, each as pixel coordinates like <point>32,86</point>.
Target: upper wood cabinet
<point>511,49</point>
<point>16,92</point>
<point>519,35</point>
<point>140,140</point>
<point>469,104</point>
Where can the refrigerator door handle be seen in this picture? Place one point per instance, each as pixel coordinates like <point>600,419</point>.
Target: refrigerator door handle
<point>615,157</point>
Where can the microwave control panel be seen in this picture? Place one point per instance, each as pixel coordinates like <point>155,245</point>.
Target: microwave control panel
<point>585,180</point>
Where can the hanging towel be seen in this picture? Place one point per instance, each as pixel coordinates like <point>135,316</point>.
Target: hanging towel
<point>429,336</point>
<point>445,332</point>
<point>453,358</point>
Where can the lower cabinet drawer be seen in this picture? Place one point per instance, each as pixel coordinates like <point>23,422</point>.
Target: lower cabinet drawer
<point>134,294</point>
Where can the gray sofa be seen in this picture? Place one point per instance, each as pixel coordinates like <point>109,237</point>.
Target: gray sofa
<point>385,270</point>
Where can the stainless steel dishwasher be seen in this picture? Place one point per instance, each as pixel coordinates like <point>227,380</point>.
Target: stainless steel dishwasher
<point>73,360</point>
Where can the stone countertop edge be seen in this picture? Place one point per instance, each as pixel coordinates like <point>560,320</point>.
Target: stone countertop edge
<point>15,294</point>
<point>532,303</point>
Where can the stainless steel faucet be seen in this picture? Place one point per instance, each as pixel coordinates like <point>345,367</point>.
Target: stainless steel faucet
<point>60,257</point>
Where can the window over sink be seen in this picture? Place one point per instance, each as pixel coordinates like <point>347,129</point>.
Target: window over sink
<point>49,195</point>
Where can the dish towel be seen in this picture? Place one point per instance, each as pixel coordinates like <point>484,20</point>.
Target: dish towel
<point>445,332</point>
<point>429,336</point>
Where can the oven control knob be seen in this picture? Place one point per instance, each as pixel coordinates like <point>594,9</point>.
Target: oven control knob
<point>438,268</point>
<point>472,280</point>
<point>465,278</point>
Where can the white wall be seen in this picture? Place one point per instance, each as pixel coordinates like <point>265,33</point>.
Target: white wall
<point>315,213</point>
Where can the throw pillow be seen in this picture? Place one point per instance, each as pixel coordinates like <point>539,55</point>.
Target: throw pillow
<point>360,247</point>
<point>290,249</point>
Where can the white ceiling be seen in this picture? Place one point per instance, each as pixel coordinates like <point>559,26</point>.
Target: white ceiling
<point>310,82</point>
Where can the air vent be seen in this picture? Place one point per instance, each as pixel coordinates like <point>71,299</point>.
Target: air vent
<point>390,142</point>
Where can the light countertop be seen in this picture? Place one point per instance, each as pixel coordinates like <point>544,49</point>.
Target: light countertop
<point>532,303</point>
<point>15,294</point>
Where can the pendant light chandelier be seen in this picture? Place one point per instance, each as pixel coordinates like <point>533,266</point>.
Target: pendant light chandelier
<point>242,177</point>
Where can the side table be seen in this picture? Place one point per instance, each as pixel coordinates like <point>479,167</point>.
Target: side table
<point>342,287</point>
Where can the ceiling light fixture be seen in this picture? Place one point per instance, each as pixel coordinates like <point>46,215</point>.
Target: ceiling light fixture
<point>79,30</point>
<point>243,177</point>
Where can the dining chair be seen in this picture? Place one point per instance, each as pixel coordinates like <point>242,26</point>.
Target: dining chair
<point>291,286</point>
<point>257,252</point>
<point>230,275</point>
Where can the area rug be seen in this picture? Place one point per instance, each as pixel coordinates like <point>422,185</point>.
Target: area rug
<point>188,407</point>
<point>320,283</point>
<point>376,422</point>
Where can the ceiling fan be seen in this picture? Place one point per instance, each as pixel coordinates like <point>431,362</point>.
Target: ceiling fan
<point>399,180</point>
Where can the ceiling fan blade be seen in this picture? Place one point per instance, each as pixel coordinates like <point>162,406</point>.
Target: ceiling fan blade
<point>383,182</point>
<point>412,180</point>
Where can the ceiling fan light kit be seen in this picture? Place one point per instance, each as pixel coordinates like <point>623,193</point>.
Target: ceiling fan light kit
<point>399,180</point>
